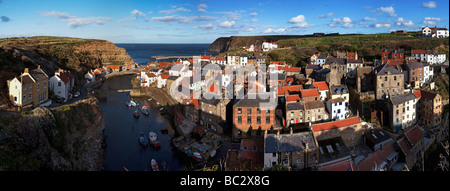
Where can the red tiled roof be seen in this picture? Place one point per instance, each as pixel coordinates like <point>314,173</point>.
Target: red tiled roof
<point>294,97</point>
<point>403,143</point>
<point>322,85</point>
<point>417,93</point>
<point>113,67</point>
<point>394,62</point>
<point>418,51</point>
<point>377,157</point>
<point>335,124</point>
<point>193,102</point>
<point>414,135</point>
<point>337,100</point>
<point>165,76</point>
<point>292,69</point>
<point>309,92</point>
<point>342,165</point>
<point>289,89</point>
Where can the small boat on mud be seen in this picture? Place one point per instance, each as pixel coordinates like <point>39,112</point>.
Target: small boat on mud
<point>136,114</point>
<point>197,156</point>
<point>131,104</point>
<point>153,139</point>
<point>142,139</point>
<point>154,165</point>
<point>145,110</point>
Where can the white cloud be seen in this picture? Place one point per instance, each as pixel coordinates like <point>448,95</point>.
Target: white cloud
<point>404,23</point>
<point>254,20</point>
<point>390,10</point>
<point>202,8</point>
<point>134,14</point>
<point>74,22</point>
<point>253,14</point>
<point>209,26</point>
<point>270,30</point>
<point>328,15</point>
<point>55,14</point>
<point>379,25</point>
<point>227,23</point>
<point>369,19</point>
<point>429,4</point>
<point>431,20</point>
<point>170,11</point>
<point>183,20</point>
<point>299,21</point>
<point>345,22</point>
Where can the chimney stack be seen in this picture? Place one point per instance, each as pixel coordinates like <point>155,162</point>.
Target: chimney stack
<point>39,66</point>
<point>25,71</point>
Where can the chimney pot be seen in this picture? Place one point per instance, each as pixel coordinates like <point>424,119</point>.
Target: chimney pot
<point>25,71</point>
<point>39,66</point>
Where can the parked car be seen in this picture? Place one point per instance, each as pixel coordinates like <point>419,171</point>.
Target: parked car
<point>76,94</point>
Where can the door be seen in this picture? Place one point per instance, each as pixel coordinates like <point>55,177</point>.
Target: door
<point>398,127</point>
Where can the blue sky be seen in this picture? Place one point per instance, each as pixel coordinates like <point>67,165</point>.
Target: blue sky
<point>202,21</point>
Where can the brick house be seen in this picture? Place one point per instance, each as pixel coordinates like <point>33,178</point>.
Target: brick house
<point>415,72</point>
<point>388,81</point>
<point>253,112</point>
<point>192,109</point>
<point>429,108</point>
<point>297,150</point>
<point>392,55</point>
<point>294,113</point>
<point>310,94</point>
<point>213,112</point>
<point>402,111</point>
<point>315,111</point>
<point>411,146</point>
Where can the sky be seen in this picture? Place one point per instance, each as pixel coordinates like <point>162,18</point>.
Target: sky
<point>203,21</point>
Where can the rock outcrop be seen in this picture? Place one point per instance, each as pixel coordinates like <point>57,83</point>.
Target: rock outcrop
<point>66,138</point>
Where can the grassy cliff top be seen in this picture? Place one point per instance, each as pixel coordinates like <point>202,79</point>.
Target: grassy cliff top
<point>44,40</point>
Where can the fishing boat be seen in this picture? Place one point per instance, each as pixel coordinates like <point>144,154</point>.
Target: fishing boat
<point>137,103</point>
<point>133,104</point>
<point>153,139</point>
<point>145,110</point>
<point>154,165</point>
<point>197,156</point>
<point>142,139</point>
<point>136,114</point>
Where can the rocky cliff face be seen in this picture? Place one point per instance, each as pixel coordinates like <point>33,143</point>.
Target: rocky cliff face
<point>223,44</point>
<point>67,138</point>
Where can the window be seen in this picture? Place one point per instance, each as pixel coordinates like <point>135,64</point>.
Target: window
<point>249,111</point>
<point>239,120</point>
<point>385,78</point>
<point>258,111</point>
<point>249,120</point>
<point>267,120</point>
<point>267,111</point>
<point>30,95</point>
<point>59,83</point>
<point>239,110</point>
<point>244,148</point>
<point>340,103</point>
<point>339,111</point>
<point>254,148</point>
<point>258,120</point>
<point>395,78</point>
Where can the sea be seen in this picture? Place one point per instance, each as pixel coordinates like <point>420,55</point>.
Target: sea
<point>123,151</point>
<point>141,53</point>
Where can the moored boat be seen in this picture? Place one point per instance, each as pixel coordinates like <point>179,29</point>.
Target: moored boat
<point>145,110</point>
<point>142,139</point>
<point>154,165</point>
<point>133,104</point>
<point>153,139</point>
<point>136,114</point>
<point>197,156</point>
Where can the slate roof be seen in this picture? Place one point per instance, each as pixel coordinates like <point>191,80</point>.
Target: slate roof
<point>385,68</point>
<point>314,104</point>
<point>212,101</point>
<point>289,142</point>
<point>412,64</point>
<point>334,89</point>
<point>313,66</point>
<point>402,98</point>
<point>255,100</point>
<point>295,106</point>
<point>341,61</point>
